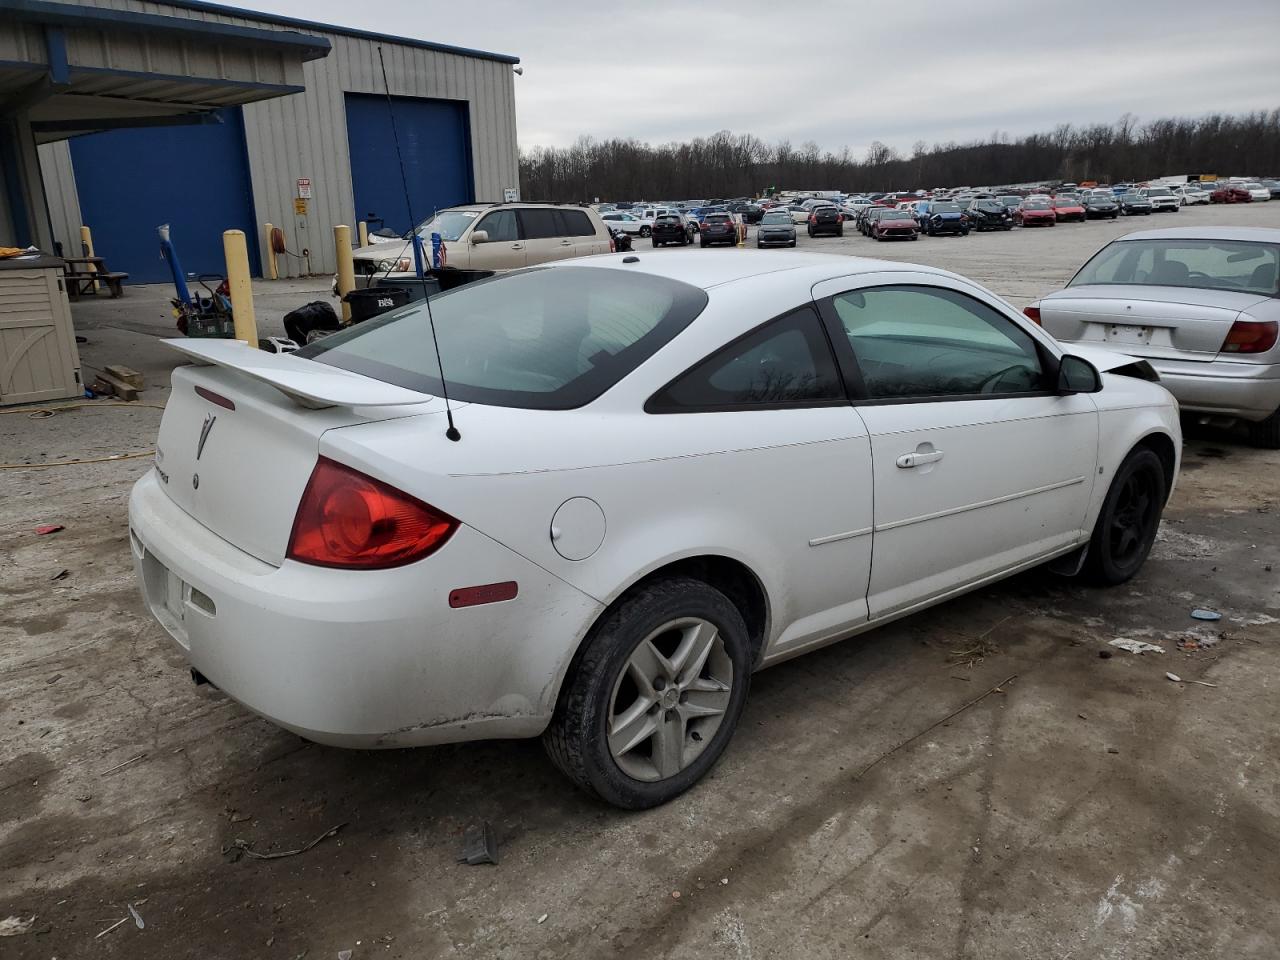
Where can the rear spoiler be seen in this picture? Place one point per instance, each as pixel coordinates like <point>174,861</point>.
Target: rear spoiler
<point>310,384</point>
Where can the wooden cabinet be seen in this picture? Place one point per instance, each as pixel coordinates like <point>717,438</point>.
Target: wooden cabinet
<point>38,355</point>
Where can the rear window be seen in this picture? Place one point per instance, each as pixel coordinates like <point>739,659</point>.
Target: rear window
<point>717,218</point>
<point>542,339</point>
<point>1240,265</point>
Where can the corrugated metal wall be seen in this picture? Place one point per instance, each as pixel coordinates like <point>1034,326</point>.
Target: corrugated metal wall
<point>305,135</point>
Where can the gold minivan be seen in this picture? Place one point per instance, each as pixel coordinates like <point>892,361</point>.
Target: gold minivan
<point>492,236</point>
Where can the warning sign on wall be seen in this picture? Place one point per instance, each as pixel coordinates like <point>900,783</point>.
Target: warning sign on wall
<point>304,188</point>
<point>300,207</point>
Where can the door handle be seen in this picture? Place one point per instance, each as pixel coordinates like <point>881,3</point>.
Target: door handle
<point>566,243</point>
<point>909,460</point>
<point>517,246</point>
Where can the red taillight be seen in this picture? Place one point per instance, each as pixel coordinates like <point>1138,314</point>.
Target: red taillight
<point>613,246</point>
<point>1251,336</point>
<point>347,519</point>
<point>1033,314</point>
<point>217,398</point>
<point>813,218</point>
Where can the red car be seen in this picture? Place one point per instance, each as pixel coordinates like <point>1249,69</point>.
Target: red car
<point>1067,208</point>
<point>1036,213</point>
<point>895,223</point>
<point>1230,194</point>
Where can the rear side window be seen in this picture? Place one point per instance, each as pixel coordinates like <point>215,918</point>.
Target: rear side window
<point>785,363</point>
<point>539,224</point>
<point>542,339</point>
<point>575,223</point>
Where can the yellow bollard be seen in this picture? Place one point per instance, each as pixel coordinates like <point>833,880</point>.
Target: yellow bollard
<point>273,268</point>
<point>236,251</point>
<point>346,268</point>
<point>364,233</point>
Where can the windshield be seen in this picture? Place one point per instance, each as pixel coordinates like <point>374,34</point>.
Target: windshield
<point>1035,205</point>
<point>450,224</point>
<point>776,218</point>
<point>1158,192</point>
<point>945,208</point>
<point>1010,199</point>
<point>1254,186</point>
<point>1066,202</point>
<point>544,339</point>
<point>1240,265</point>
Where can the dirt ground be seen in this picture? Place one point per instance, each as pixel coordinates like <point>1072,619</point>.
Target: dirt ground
<point>1084,807</point>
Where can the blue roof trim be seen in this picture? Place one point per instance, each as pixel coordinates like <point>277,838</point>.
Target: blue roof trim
<point>69,15</point>
<point>332,28</point>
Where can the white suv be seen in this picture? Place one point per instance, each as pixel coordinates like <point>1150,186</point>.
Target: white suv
<point>492,236</point>
<point>1162,198</point>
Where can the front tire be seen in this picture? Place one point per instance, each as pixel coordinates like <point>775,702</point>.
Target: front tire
<point>1129,519</point>
<point>644,232</point>
<point>654,696</point>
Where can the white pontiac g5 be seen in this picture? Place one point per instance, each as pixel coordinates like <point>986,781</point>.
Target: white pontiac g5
<point>672,470</point>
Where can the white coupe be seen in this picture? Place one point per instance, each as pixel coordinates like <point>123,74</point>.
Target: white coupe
<point>665,472</point>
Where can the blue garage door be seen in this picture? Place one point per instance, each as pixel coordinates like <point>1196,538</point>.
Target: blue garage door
<point>194,178</point>
<point>435,141</point>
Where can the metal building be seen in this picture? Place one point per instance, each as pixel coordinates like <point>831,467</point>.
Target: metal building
<point>303,153</point>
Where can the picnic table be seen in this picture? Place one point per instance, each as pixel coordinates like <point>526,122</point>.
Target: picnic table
<point>83,274</point>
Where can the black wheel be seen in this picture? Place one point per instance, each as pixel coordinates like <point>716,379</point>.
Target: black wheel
<point>840,232</point>
<point>645,231</point>
<point>702,243</point>
<point>1129,518</point>
<point>654,696</point>
<point>1266,433</point>
<point>655,243</point>
<point>809,230</point>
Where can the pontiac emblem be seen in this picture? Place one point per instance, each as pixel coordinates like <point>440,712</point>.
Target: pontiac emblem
<point>209,420</point>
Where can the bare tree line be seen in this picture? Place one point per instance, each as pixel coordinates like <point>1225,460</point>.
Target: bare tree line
<point>726,164</point>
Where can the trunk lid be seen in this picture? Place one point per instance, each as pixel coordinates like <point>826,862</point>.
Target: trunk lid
<point>241,432</point>
<point>1175,323</point>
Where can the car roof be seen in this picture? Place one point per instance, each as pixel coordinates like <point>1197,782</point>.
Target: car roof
<point>1263,234</point>
<point>706,269</point>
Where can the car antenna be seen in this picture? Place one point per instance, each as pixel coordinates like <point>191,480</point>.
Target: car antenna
<point>452,432</point>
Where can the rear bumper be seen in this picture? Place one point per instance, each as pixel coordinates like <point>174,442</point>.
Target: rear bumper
<point>1250,391</point>
<point>361,658</point>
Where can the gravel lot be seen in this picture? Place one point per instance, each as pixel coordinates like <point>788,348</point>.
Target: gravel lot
<point>1089,808</point>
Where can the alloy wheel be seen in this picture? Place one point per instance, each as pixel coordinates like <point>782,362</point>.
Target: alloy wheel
<point>669,699</point>
<point>1136,508</point>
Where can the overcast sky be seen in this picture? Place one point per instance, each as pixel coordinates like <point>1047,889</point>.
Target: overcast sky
<point>846,72</point>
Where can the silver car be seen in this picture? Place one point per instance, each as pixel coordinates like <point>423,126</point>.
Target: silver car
<point>776,229</point>
<point>1201,305</point>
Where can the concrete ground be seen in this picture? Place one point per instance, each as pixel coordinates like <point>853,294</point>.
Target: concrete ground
<point>977,781</point>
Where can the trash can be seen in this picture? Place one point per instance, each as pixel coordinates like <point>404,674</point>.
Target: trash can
<point>416,289</point>
<point>375,300</point>
<point>451,277</point>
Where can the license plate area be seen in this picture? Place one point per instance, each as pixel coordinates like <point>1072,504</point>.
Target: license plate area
<point>166,596</point>
<point>1128,333</point>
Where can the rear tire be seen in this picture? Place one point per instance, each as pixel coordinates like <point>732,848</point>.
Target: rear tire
<point>1266,433</point>
<point>644,232</point>
<point>1129,518</point>
<point>666,754</point>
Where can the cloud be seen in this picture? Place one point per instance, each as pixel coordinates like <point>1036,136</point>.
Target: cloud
<point>844,73</point>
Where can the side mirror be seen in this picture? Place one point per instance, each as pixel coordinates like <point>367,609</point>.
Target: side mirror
<point>479,236</point>
<point>1078,375</point>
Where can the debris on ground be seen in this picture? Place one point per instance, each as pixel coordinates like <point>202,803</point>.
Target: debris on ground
<point>54,679</point>
<point>1105,654</point>
<point>344,955</point>
<point>61,574</point>
<point>1113,749</point>
<point>112,927</point>
<point>137,917</point>
<point>15,926</point>
<point>243,846</point>
<point>543,918</point>
<point>125,764</point>
<point>47,528</point>
<point>1197,643</point>
<point>1177,679</point>
<point>1136,646</point>
<point>479,845</point>
<point>1201,614</point>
